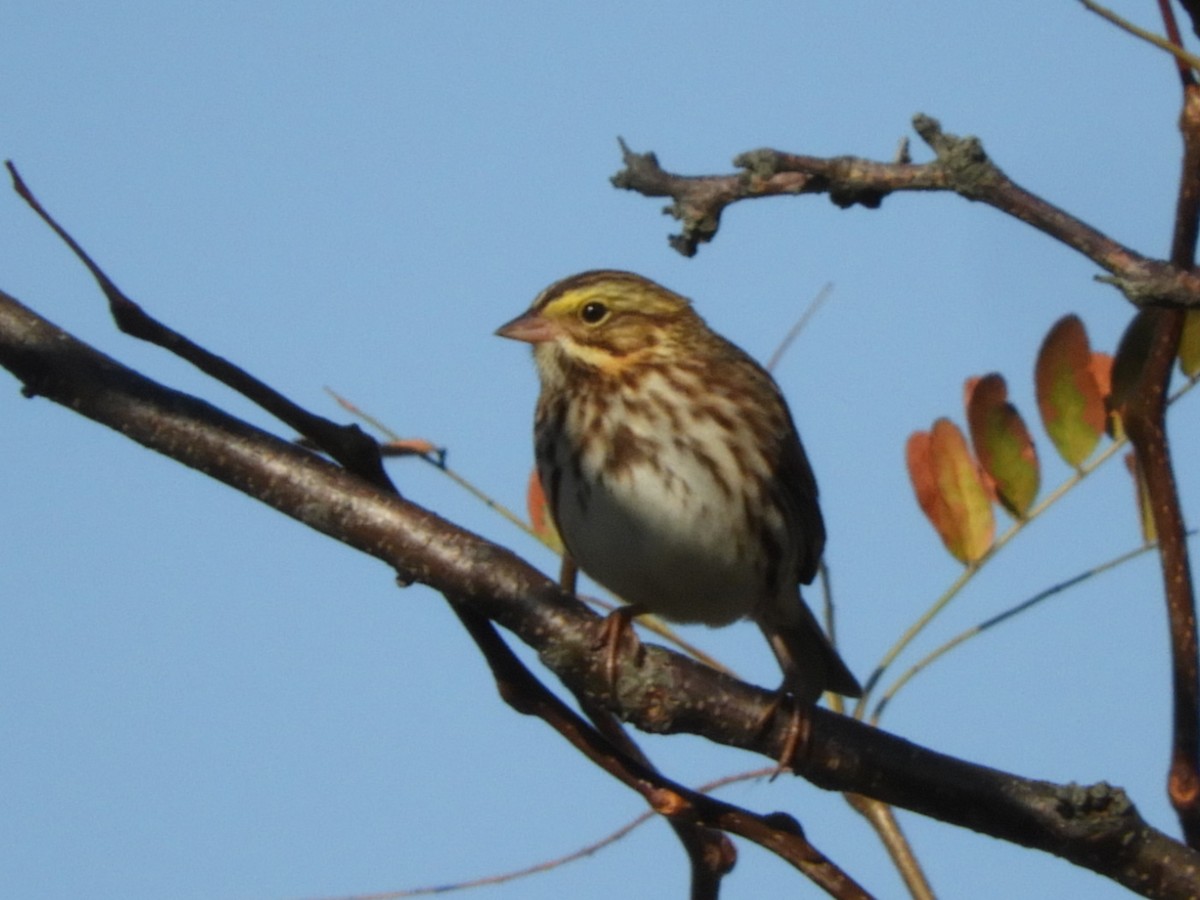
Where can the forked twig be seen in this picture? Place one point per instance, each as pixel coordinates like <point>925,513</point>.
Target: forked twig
<point>778,833</point>
<point>960,166</point>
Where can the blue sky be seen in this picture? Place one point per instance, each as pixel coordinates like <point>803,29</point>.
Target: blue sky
<point>201,698</point>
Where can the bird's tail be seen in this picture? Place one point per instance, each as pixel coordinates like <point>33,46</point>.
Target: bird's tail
<point>810,663</point>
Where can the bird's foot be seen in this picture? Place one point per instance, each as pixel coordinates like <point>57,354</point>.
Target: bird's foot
<point>618,625</point>
<point>797,733</point>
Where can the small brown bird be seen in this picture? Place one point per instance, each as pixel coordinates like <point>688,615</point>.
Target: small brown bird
<point>673,469</point>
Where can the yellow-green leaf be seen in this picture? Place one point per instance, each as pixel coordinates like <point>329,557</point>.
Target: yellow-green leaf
<point>1189,344</point>
<point>1142,496</point>
<point>950,490</point>
<point>1002,444</point>
<point>1069,397</point>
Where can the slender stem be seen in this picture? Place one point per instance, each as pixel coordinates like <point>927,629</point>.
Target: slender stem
<point>931,657</point>
<point>882,818</point>
<point>1171,43</point>
<point>969,572</point>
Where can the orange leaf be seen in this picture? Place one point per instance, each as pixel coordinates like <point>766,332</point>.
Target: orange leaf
<point>950,491</point>
<point>1002,443</point>
<point>1069,397</point>
<point>539,515</point>
<point>1102,370</point>
<point>409,447</point>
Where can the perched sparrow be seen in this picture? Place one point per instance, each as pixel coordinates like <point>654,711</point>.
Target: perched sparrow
<point>673,469</point>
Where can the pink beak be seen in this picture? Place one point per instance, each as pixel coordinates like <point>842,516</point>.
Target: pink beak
<point>531,327</point>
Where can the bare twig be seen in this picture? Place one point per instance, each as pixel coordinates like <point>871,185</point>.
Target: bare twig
<point>798,326</point>
<point>960,166</point>
<point>942,649</point>
<point>882,818</point>
<point>1170,44</point>
<point>696,812</point>
<point>348,444</point>
<point>546,865</point>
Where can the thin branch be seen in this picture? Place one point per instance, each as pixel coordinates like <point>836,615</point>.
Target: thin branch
<point>1187,70</point>
<point>1174,47</point>
<point>968,573</point>
<point>575,855</point>
<point>694,811</point>
<point>798,326</point>
<point>882,818</point>
<point>941,650</point>
<point>658,691</point>
<point>348,444</point>
<point>961,166</point>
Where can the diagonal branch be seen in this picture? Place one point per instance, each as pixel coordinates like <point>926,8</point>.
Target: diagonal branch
<point>960,166</point>
<point>348,444</point>
<point>659,691</point>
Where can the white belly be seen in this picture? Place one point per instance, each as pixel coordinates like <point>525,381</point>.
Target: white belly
<point>666,533</point>
<point>681,565</point>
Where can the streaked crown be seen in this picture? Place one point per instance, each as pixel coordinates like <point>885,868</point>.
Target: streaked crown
<point>605,320</point>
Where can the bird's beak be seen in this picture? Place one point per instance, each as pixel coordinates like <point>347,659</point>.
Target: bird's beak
<point>531,327</point>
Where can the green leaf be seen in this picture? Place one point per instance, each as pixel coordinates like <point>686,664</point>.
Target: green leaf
<point>1145,513</point>
<point>1069,397</point>
<point>1189,344</point>
<point>1003,444</point>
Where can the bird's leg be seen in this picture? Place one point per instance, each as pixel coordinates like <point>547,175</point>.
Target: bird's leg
<point>566,574</point>
<point>799,728</point>
<point>803,676</point>
<point>617,624</point>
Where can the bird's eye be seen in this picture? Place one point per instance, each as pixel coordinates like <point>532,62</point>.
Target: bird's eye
<point>593,313</point>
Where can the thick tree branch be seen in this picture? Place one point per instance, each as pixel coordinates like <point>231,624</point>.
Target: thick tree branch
<point>658,691</point>
<point>960,166</point>
<point>1145,418</point>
